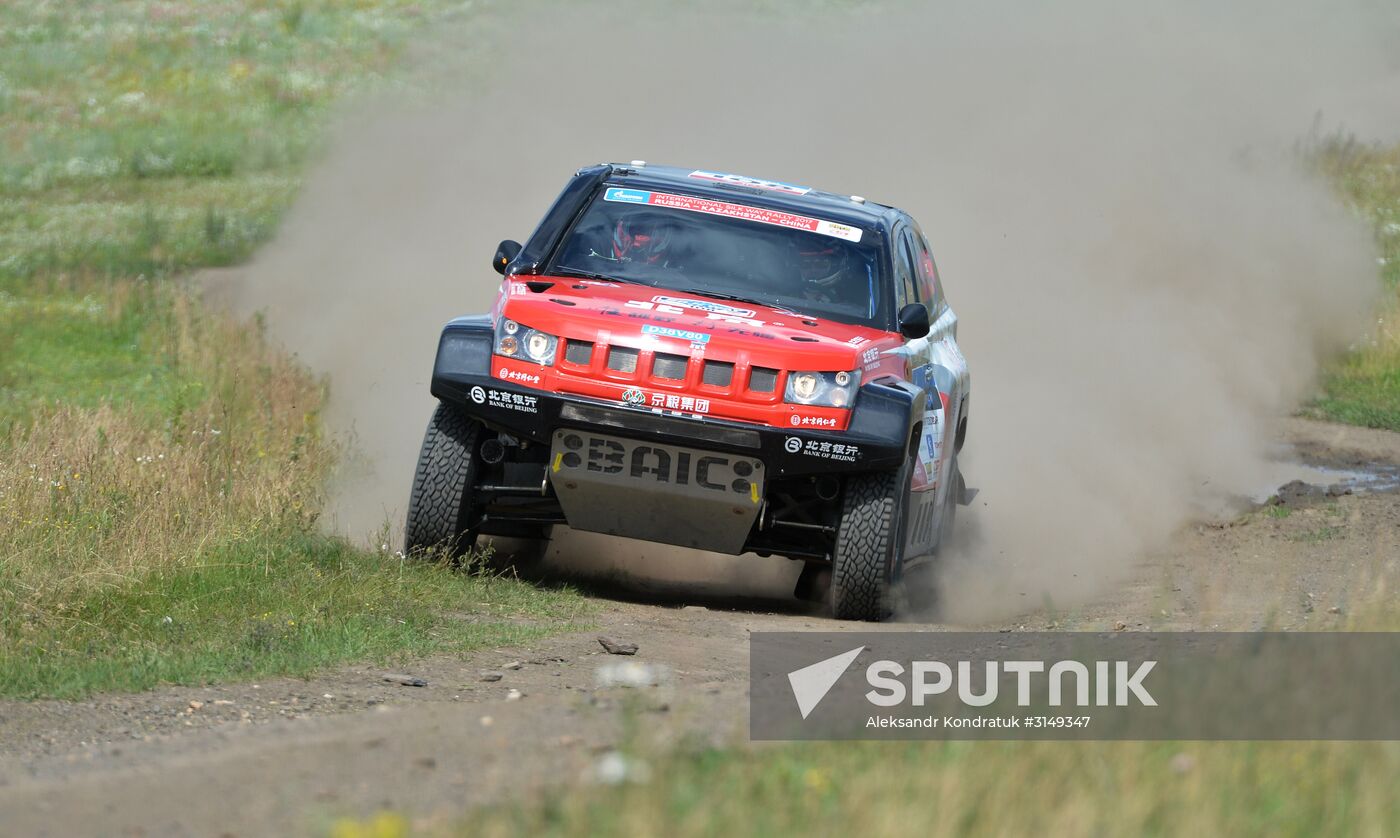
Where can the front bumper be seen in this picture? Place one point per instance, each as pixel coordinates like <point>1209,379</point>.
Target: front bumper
<point>877,438</point>
<point>708,490</point>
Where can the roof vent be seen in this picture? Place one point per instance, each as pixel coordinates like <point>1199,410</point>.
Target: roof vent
<point>639,163</point>
<point>857,199</point>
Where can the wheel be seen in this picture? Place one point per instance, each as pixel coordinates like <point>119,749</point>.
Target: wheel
<point>869,545</point>
<point>440,514</point>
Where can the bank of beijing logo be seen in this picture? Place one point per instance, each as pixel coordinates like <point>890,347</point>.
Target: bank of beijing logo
<point>1065,682</point>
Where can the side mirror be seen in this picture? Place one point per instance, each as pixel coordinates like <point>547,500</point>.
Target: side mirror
<point>505,252</point>
<point>913,321</point>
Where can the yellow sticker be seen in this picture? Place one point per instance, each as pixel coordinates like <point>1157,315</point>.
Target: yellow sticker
<point>753,492</point>
<point>558,458</point>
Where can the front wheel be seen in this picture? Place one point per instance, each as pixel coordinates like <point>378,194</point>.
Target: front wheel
<point>869,545</point>
<point>440,509</point>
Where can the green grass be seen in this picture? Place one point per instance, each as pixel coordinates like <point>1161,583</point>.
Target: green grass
<point>271,604</point>
<point>1318,535</point>
<point>158,459</point>
<point>1363,388</point>
<point>975,788</point>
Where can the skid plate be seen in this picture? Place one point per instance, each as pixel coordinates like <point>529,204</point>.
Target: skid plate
<point>656,492</point>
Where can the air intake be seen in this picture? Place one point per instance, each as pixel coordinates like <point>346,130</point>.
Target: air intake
<point>622,359</point>
<point>579,352</point>
<point>718,373</point>
<point>763,380</point>
<point>671,367</point>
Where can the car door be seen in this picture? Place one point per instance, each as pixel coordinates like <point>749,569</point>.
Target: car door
<point>937,366</point>
<point>948,367</point>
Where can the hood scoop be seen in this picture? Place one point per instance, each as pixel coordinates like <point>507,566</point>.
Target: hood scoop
<point>539,286</point>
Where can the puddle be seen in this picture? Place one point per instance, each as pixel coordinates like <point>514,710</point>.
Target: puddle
<point>1366,479</point>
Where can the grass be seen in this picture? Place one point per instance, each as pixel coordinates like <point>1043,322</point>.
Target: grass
<point>1318,535</point>
<point>980,788</point>
<point>161,467</point>
<point>1363,388</point>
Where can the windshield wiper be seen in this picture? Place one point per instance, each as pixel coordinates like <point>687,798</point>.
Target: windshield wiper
<point>737,298</point>
<point>580,273</point>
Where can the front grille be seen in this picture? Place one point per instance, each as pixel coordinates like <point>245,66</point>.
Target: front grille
<point>578,352</point>
<point>718,373</point>
<point>670,367</point>
<point>635,421</point>
<point>622,359</point>
<point>763,380</point>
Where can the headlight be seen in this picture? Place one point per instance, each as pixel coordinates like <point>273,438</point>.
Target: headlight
<point>514,340</point>
<point>827,389</point>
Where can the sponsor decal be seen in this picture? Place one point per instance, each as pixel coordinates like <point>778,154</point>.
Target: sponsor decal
<point>658,464</point>
<point>513,375</point>
<point>858,340</point>
<point>838,451</point>
<point>658,402</point>
<point>746,213</point>
<point>478,395</point>
<point>684,404</point>
<point>627,196</point>
<point>703,305</point>
<point>792,445</point>
<point>756,183</point>
<point>713,311</point>
<point>813,421</point>
<point>511,401</point>
<point>679,334</point>
<point>870,357</point>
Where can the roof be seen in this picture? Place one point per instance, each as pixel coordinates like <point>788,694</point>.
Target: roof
<point>755,192</point>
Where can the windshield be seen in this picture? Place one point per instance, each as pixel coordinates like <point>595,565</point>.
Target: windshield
<point>683,243</point>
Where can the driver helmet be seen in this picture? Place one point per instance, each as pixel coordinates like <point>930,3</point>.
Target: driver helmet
<point>823,266</point>
<point>642,239</point>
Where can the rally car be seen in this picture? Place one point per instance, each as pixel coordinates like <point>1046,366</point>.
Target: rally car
<point>711,361</point>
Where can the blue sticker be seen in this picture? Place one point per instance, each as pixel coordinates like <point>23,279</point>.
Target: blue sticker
<point>679,334</point>
<point>627,196</point>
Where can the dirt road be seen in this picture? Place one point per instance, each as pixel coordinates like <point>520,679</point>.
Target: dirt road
<point>287,756</point>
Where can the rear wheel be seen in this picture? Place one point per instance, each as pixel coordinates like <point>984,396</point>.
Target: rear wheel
<point>440,509</point>
<point>869,545</point>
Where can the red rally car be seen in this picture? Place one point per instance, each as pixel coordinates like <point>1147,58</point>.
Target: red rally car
<point>711,361</point>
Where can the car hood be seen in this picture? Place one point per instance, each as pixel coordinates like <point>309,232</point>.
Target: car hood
<point>627,314</point>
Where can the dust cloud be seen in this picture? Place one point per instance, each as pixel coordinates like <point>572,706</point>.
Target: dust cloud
<point>1143,274</point>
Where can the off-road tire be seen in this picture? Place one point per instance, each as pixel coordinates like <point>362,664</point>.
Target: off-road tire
<point>439,509</point>
<point>869,544</point>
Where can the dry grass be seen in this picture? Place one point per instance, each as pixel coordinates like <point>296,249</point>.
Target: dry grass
<point>92,497</point>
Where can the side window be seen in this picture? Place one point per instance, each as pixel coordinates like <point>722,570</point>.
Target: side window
<point>928,275</point>
<point>906,274</point>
